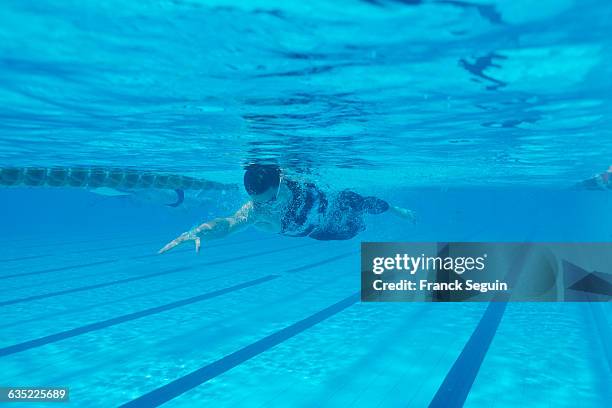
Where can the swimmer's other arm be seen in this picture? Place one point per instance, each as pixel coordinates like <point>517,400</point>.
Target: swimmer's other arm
<point>215,229</point>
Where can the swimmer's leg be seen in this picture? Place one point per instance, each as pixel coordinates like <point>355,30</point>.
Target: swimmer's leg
<point>373,205</point>
<point>403,213</point>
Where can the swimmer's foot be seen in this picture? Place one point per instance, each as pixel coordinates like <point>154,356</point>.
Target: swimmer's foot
<point>404,213</point>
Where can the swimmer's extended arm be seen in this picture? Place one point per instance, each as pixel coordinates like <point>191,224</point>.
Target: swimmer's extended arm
<point>217,228</point>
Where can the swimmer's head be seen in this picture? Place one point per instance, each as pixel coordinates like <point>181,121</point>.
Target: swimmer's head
<point>262,182</point>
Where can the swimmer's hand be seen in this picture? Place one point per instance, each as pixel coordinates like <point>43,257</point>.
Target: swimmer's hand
<point>192,235</point>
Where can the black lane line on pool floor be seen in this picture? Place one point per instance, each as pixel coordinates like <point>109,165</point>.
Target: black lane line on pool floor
<point>91,287</point>
<point>140,277</point>
<point>129,245</point>
<point>107,261</point>
<point>319,283</point>
<point>109,236</point>
<point>322,262</point>
<point>603,330</point>
<point>198,377</point>
<point>80,251</point>
<point>80,309</point>
<point>58,269</point>
<point>210,278</point>
<point>75,266</point>
<point>27,345</point>
<point>458,382</point>
<point>24,258</point>
<point>330,260</point>
<point>52,248</point>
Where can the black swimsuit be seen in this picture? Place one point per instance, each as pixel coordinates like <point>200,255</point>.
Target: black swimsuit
<point>312,213</point>
<point>303,212</point>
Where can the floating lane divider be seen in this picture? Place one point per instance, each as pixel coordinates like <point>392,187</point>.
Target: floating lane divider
<point>200,376</point>
<point>27,345</point>
<point>458,382</point>
<point>96,177</point>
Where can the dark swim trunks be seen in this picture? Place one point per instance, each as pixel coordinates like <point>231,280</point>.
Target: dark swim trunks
<point>327,217</point>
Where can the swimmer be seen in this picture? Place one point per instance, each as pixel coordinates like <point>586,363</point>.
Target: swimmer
<point>601,181</point>
<point>286,207</point>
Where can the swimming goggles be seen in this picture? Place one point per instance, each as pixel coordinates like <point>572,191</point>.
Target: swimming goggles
<point>280,182</point>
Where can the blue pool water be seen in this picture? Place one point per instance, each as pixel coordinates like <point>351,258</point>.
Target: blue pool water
<point>479,116</point>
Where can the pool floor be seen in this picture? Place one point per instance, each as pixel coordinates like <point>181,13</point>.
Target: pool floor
<point>261,321</point>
